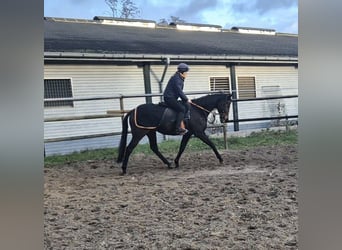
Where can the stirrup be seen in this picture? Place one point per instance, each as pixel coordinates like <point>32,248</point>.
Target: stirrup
<point>181,131</point>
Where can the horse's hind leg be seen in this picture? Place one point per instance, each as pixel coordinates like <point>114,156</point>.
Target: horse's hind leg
<point>184,142</point>
<point>154,147</point>
<point>133,143</point>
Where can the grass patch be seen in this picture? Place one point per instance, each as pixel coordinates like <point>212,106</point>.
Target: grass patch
<point>263,138</point>
<point>97,154</point>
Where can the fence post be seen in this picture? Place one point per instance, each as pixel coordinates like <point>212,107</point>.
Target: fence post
<point>235,105</point>
<point>147,81</point>
<point>122,107</point>
<point>225,135</point>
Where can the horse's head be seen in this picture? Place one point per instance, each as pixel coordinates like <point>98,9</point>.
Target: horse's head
<point>223,107</point>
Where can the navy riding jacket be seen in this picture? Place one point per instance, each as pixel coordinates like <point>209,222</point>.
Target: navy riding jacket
<point>174,88</point>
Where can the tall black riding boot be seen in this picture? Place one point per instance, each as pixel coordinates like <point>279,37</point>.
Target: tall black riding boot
<point>179,119</point>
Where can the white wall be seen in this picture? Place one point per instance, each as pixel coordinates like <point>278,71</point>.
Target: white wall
<point>270,81</point>
<point>111,80</point>
<point>91,81</point>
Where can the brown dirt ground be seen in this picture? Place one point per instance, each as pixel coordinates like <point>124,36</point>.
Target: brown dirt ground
<point>248,202</point>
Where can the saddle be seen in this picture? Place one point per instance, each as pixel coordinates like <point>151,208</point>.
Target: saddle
<point>186,115</point>
<point>153,116</point>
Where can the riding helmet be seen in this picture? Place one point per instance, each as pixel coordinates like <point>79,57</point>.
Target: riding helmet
<point>182,67</point>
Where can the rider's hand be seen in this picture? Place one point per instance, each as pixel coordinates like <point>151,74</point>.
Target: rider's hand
<point>189,101</point>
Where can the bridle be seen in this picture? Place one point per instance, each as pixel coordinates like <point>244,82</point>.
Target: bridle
<point>204,109</point>
<point>200,107</point>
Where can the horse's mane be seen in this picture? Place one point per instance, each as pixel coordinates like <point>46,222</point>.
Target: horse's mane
<point>210,98</point>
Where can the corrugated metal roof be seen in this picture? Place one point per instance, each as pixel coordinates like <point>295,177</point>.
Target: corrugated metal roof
<point>94,37</point>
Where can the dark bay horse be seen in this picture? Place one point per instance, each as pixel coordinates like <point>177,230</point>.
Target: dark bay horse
<point>147,119</point>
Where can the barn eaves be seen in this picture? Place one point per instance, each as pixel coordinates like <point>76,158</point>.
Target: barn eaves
<point>157,58</point>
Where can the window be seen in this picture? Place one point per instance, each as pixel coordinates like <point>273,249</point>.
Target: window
<point>57,88</point>
<point>219,84</point>
<point>246,85</point>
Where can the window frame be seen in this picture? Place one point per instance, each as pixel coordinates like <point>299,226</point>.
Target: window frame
<point>60,104</point>
<point>250,96</point>
<point>213,77</point>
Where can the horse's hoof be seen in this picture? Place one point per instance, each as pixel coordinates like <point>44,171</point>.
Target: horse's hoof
<point>169,166</point>
<point>221,161</point>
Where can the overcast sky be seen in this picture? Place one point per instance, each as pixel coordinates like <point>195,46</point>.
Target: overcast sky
<point>281,15</point>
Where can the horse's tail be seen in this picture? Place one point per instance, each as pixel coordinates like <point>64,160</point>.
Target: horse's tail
<point>123,140</point>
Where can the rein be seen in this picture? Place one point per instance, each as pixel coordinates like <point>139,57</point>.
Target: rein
<point>200,107</point>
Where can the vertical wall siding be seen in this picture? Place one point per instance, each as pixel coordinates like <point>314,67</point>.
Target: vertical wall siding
<point>197,80</point>
<point>267,78</point>
<point>108,80</point>
<point>90,81</point>
<point>96,80</point>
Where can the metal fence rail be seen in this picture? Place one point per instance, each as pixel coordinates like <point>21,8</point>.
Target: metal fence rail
<point>122,111</point>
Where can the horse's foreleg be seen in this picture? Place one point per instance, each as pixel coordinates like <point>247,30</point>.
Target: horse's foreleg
<point>154,147</point>
<point>184,142</point>
<point>207,141</point>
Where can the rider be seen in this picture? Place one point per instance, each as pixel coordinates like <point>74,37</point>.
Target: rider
<point>173,91</point>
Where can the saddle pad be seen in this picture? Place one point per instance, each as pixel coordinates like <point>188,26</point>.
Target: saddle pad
<point>149,115</point>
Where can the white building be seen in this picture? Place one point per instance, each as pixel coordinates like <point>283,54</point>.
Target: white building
<point>108,57</point>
